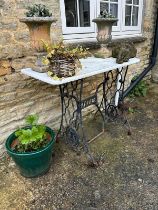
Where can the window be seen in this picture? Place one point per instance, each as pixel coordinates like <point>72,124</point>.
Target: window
<point>77,13</point>
<point>77,17</point>
<point>131,12</point>
<point>111,6</point>
<point>132,15</point>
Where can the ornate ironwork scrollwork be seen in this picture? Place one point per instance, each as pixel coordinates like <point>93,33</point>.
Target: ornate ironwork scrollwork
<point>112,111</point>
<point>72,138</point>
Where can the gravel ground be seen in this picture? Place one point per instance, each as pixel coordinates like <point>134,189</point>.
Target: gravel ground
<point>126,179</point>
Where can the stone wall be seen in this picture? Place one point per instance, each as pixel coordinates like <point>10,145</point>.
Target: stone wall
<point>20,95</point>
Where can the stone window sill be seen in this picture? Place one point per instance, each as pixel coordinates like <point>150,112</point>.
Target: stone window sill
<point>136,39</point>
<point>95,45</point>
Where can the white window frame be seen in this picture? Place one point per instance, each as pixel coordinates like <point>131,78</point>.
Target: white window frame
<point>133,28</point>
<point>75,30</point>
<point>119,31</point>
<point>114,28</point>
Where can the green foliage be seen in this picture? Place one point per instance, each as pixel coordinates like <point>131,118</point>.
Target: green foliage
<point>140,89</point>
<point>131,110</point>
<point>63,59</point>
<point>99,55</point>
<point>105,14</point>
<point>38,10</point>
<point>61,51</point>
<point>33,138</point>
<point>31,119</point>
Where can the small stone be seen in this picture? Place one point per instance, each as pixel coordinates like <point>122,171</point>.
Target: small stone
<point>97,195</point>
<point>11,164</point>
<point>150,160</point>
<point>140,180</point>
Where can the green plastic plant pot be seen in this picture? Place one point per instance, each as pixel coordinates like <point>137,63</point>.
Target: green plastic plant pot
<point>32,164</point>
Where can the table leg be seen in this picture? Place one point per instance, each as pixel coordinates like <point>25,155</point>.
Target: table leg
<point>112,102</point>
<point>71,127</point>
<point>70,118</point>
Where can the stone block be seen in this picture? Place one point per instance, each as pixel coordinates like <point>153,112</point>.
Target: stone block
<point>26,62</point>
<point>5,67</point>
<point>15,50</point>
<point>22,36</point>
<point>5,38</point>
<point>10,26</point>
<point>2,2</point>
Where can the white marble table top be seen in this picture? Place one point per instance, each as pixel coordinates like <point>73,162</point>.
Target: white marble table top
<point>90,66</point>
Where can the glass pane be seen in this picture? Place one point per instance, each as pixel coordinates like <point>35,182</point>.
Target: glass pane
<point>136,2</point>
<point>114,11</point>
<point>104,6</point>
<point>128,1</point>
<point>114,1</point>
<point>135,16</point>
<point>71,13</point>
<point>128,15</point>
<point>84,8</point>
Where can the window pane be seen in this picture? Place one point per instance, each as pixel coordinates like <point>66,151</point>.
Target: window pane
<point>136,2</point>
<point>71,13</point>
<point>104,6</point>
<point>77,17</point>
<point>128,1</point>
<point>135,16</point>
<point>84,8</point>
<point>128,15</point>
<point>110,7</point>
<point>114,11</point>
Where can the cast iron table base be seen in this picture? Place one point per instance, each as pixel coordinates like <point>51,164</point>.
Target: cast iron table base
<point>71,127</point>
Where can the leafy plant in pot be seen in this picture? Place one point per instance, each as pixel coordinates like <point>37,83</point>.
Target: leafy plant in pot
<point>39,20</point>
<point>31,147</point>
<point>104,23</point>
<point>63,60</point>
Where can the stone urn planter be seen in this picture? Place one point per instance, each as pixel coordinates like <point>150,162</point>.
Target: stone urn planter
<point>104,26</point>
<point>39,28</point>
